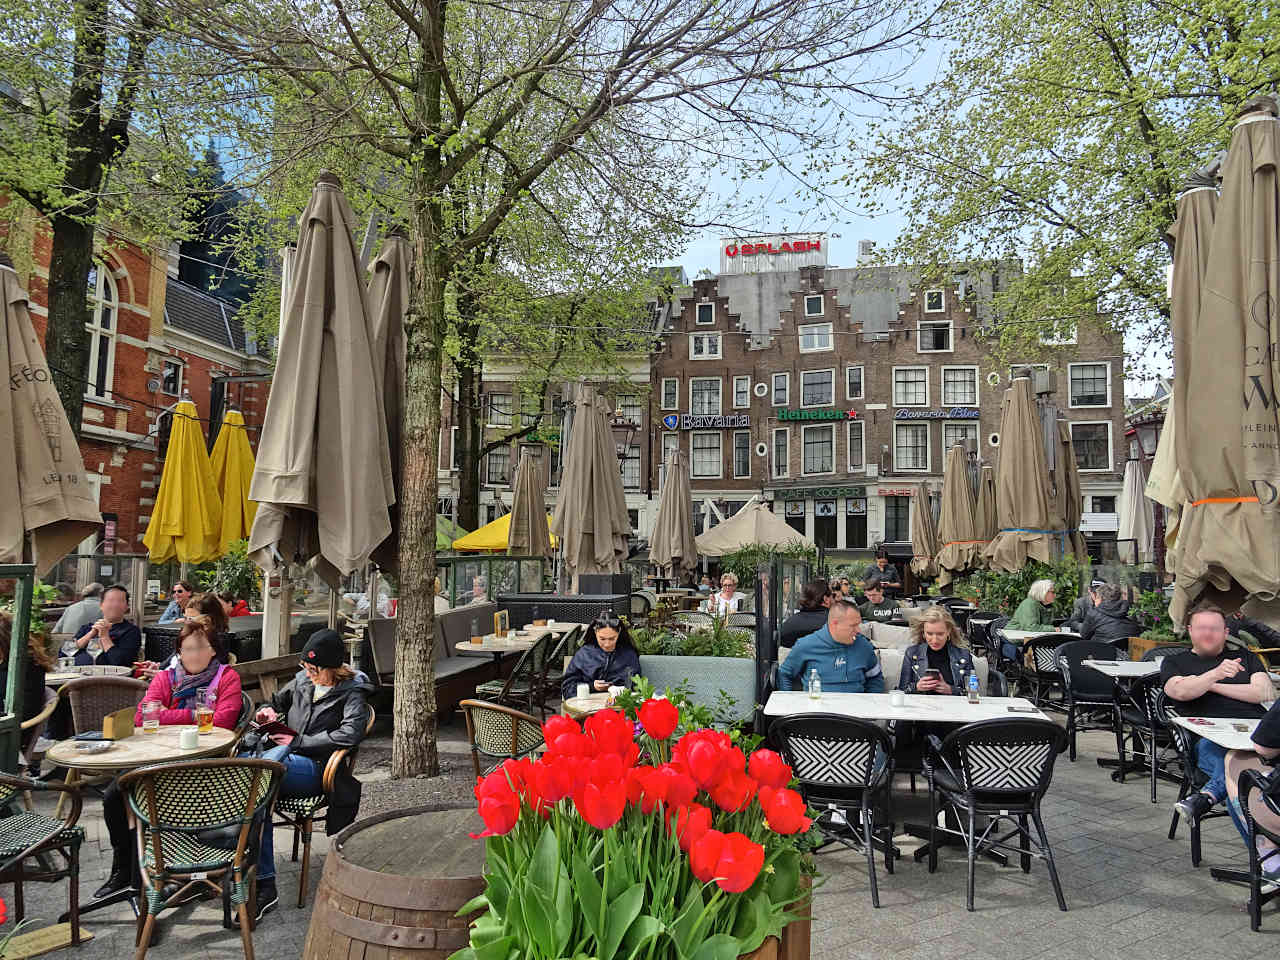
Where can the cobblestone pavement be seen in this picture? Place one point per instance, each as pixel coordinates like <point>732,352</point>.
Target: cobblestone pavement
<point>1131,891</point>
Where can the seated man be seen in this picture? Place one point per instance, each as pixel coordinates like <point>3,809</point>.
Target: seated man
<point>1208,681</point>
<point>121,641</point>
<point>877,607</point>
<point>845,660</point>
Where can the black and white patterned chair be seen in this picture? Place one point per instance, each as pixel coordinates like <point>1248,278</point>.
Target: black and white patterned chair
<point>190,821</point>
<point>27,839</point>
<point>844,767</point>
<point>1193,778</point>
<point>1092,697</point>
<point>1266,786</point>
<point>1041,670</point>
<point>999,769</point>
<point>499,733</point>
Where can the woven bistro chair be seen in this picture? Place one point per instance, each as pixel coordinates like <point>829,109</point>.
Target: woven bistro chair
<point>303,813</point>
<point>91,699</point>
<point>499,733</point>
<point>521,688</point>
<point>1041,669</point>
<point>26,835</point>
<point>198,824</point>
<point>743,619</point>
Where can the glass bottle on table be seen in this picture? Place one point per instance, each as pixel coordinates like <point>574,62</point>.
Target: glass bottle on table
<point>814,684</point>
<point>477,637</point>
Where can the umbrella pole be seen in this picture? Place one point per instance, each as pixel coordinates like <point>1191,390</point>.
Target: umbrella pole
<point>333,609</point>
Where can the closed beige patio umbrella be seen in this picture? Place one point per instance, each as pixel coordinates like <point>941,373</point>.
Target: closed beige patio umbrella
<point>1228,455</point>
<point>591,512</point>
<point>49,507</point>
<point>1137,518</point>
<point>924,535</point>
<point>388,298</point>
<point>959,546</point>
<point>1070,497</point>
<point>984,513</point>
<point>672,545</point>
<point>528,535</point>
<point>753,524</point>
<point>1022,486</point>
<point>323,474</point>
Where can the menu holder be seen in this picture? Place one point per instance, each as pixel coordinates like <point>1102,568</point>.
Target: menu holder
<point>501,623</point>
<point>119,725</point>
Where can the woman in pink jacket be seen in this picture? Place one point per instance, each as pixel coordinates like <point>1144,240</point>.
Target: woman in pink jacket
<point>175,689</point>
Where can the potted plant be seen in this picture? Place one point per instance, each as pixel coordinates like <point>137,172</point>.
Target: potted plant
<point>640,838</point>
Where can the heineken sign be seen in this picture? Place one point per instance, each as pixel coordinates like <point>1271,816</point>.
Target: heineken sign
<point>791,413</point>
<point>697,421</point>
<point>955,413</point>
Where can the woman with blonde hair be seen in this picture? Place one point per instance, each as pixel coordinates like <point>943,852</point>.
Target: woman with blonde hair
<point>937,660</point>
<point>728,600</point>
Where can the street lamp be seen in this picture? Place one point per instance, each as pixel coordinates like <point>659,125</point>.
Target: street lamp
<point>624,434</point>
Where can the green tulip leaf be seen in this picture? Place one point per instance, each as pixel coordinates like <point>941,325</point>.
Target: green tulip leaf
<point>644,929</point>
<point>587,890</point>
<point>621,914</point>
<point>685,926</point>
<point>753,922</point>
<point>480,902</point>
<point>495,950</point>
<point>784,882</point>
<point>720,947</point>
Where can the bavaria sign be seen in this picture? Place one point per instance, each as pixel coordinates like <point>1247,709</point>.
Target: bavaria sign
<point>955,413</point>
<point>697,421</point>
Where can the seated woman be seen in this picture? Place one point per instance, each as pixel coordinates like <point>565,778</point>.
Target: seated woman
<point>326,703</point>
<point>728,600</point>
<point>38,662</point>
<point>936,661</point>
<point>175,689</point>
<point>198,605</point>
<point>233,606</point>
<point>1263,757</point>
<point>605,659</point>
<point>1108,619</point>
<point>1033,613</point>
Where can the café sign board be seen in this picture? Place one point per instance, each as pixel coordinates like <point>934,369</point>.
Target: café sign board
<point>820,493</point>
<point>698,421</point>
<point>953,413</point>
<point>772,252</point>
<point>792,413</point>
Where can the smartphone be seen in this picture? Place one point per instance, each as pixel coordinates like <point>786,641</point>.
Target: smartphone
<point>935,674</point>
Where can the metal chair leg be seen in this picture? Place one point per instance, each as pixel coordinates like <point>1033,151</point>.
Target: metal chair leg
<point>305,878</point>
<point>1048,857</point>
<point>868,840</point>
<point>73,895</point>
<point>972,857</point>
<point>296,832</point>
<point>1024,842</point>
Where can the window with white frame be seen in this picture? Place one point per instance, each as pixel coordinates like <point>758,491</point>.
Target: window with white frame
<point>781,389</point>
<point>897,519</point>
<point>104,314</point>
<point>857,445</point>
<point>1092,443</point>
<point>961,432</point>
<point>853,383</point>
<point>704,395</point>
<point>742,391</point>
<point>819,449</point>
<point>629,407</point>
<point>631,468</point>
<point>959,386</point>
<point>171,378</point>
<point>670,399</point>
<point>933,336</point>
<point>935,301</point>
<point>1090,384</point>
<point>813,305</point>
<point>707,461</point>
<point>706,314</point>
<point>815,337</point>
<point>911,446</point>
<point>910,386</point>
<point>499,410</point>
<point>704,346</point>
<point>741,454</point>
<point>499,464</point>
<point>670,444</point>
<point>817,388</point>
<point>781,452</point>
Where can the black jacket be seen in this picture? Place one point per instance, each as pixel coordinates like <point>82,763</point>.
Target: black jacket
<point>336,720</point>
<point>915,661</point>
<point>1079,610</point>
<point>126,647</point>
<point>801,624</point>
<point>1109,622</point>
<point>591,663</point>
<point>1265,635</point>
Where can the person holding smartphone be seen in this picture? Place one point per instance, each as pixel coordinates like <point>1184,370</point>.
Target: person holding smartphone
<point>937,661</point>
<point>605,659</point>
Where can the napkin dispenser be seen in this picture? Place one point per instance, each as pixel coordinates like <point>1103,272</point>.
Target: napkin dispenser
<point>118,725</point>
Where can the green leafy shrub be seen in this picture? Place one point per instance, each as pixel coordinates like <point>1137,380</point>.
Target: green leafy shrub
<point>716,640</point>
<point>746,561</point>
<point>233,573</point>
<point>1002,592</point>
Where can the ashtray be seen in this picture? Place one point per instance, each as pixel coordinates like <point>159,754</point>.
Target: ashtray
<point>93,746</point>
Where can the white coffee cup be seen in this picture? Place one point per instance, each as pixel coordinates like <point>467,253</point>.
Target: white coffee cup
<point>189,739</point>
<point>615,691</point>
<point>897,698</point>
<point>584,689</point>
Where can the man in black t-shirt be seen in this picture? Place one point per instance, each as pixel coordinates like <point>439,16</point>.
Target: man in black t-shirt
<point>1208,681</point>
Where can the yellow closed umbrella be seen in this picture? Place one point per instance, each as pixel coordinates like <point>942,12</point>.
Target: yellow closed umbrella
<point>232,461</point>
<point>492,536</point>
<point>186,523</point>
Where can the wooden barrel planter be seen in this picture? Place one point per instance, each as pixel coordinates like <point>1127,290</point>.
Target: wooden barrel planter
<point>392,884</point>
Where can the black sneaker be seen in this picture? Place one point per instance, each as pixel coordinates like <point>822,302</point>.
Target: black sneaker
<point>268,900</point>
<point>1195,806</point>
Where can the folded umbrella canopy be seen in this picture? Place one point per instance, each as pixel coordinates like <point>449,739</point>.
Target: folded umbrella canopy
<point>591,513</point>
<point>753,524</point>
<point>1137,518</point>
<point>323,480</point>
<point>388,299</point>
<point>186,521</point>
<point>673,547</point>
<point>528,534</point>
<point>1070,498</point>
<point>232,462</point>
<point>49,507</point>
<point>924,535</point>
<point>1022,486</point>
<point>1225,415</point>
<point>984,514</point>
<point>959,546</point>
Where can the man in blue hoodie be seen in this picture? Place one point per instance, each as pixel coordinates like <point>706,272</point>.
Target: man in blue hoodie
<point>845,660</point>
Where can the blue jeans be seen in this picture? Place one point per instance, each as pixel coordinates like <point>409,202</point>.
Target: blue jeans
<point>1212,761</point>
<point>301,779</point>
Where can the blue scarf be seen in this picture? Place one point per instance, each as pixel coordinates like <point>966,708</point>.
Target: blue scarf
<point>186,684</point>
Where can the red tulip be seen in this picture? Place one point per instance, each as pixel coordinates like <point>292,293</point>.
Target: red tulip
<point>784,810</point>
<point>739,863</point>
<point>701,754</point>
<point>691,823</point>
<point>768,769</point>
<point>4,913</point>
<point>734,792</point>
<point>601,805</point>
<point>558,725</point>
<point>612,732</point>
<point>553,779</point>
<point>571,744</point>
<point>659,718</point>
<point>704,854</point>
<point>605,769</point>
<point>679,788</point>
<point>499,806</point>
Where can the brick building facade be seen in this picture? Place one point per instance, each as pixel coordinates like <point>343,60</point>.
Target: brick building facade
<point>152,339</point>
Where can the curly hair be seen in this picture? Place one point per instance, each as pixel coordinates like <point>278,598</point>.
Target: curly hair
<point>937,614</point>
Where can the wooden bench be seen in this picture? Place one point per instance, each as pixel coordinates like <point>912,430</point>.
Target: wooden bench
<point>262,678</point>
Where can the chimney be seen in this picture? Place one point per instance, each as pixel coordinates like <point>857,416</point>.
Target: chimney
<point>866,252</point>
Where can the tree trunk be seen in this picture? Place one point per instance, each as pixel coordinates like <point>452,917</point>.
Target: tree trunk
<point>66,339</point>
<point>470,430</point>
